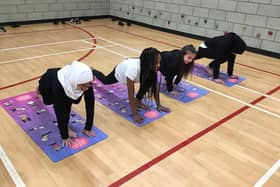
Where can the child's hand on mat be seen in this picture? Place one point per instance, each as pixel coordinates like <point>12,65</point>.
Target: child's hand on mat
<point>233,77</point>
<point>89,133</point>
<point>219,81</point>
<point>175,93</point>
<point>137,118</point>
<point>67,142</point>
<point>163,108</point>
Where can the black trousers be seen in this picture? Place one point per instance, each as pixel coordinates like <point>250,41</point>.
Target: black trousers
<point>111,79</point>
<point>215,64</point>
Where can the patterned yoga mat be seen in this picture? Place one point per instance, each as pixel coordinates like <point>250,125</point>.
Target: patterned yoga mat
<point>115,97</point>
<point>39,122</point>
<point>199,70</point>
<point>187,92</point>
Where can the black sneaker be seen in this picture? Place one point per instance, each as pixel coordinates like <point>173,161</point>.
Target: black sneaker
<point>121,23</point>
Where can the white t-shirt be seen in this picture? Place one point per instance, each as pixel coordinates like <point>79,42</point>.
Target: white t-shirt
<point>128,68</point>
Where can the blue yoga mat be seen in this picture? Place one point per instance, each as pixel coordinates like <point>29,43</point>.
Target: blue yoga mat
<point>39,122</point>
<point>199,70</point>
<point>115,97</point>
<point>187,92</point>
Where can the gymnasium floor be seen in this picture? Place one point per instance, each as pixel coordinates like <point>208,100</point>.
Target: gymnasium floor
<point>229,137</point>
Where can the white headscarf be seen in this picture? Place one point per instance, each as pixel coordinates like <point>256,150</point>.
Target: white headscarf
<point>71,75</point>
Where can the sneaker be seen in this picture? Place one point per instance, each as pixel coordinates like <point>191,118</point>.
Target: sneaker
<point>72,21</point>
<point>121,23</point>
<point>2,29</point>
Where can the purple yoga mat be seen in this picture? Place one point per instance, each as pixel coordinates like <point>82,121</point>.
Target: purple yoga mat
<point>39,122</point>
<point>187,92</point>
<point>199,70</point>
<point>115,97</point>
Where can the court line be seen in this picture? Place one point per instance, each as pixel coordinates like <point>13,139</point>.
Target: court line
<point>11,169</point>
<point>55,54</point>
<point>147,38</point>
<point>54,43</point>
<point>237,100</point>
<point>268,174</point>
<point>43,44</point>
<point>269,72</point>
<point>186,142</point>
<point>254,91</point>
<point>124,46</point>
<point>37,77</point>
<point>112,51</point>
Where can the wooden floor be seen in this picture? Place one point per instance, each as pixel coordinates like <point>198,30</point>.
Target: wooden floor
<point>243,147</point>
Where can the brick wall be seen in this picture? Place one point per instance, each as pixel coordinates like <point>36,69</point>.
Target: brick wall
<point>25,10</point>
<point>256,21</point>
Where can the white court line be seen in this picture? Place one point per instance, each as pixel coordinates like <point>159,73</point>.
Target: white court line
<point>254,91</point>
<point>52,43</point>
<point>55,54</point>
<point>219,93</point>
<point>124,46</point>
<point>11,169</point>
<point>45,44</point>
<point>235,99</point>
<point>268,174</point>
<point>111,50</point>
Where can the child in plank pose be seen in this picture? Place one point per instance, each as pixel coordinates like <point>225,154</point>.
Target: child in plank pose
<point>64,86</point>
<point>221,49</point>
<point>177,63</point>
<point>143,70</point>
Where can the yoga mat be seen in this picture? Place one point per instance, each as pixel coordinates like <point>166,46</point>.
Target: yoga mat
<point>187,92</point>
<point>115,97</point>
<point>39,122</point>
<point>199,70</point>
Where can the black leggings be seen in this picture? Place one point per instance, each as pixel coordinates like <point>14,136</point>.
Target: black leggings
<point>109,79</point>
<point>215,64</point>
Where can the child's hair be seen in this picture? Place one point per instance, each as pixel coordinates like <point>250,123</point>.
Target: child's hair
<point>188,68</point>
<point>148,74</point>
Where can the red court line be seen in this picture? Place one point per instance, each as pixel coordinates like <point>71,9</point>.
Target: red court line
<point>187,142</point>
<point>94,42</point>
<point>22,82</point>
<point>147,38</point>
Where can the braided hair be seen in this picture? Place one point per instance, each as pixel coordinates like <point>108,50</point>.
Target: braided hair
<point>148,72</point>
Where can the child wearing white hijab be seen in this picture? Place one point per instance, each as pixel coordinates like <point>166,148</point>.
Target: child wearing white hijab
<point>64,86</point>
